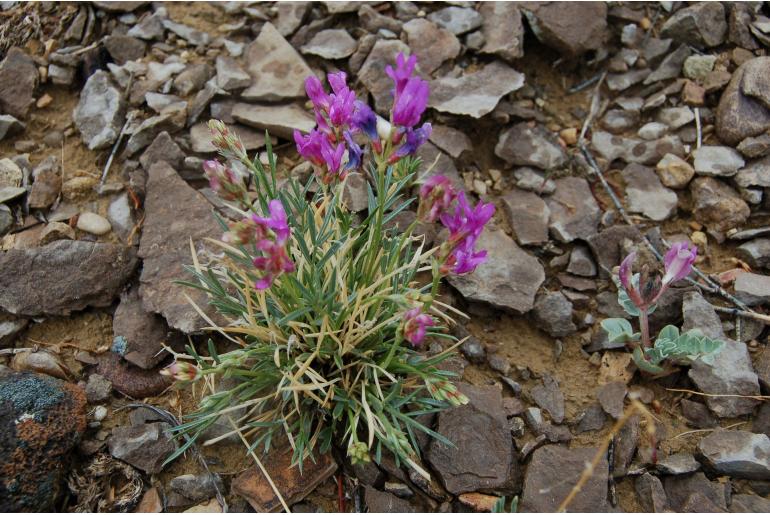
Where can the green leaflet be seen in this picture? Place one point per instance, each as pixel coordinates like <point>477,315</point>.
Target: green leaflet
<point>685,347</point>
<point>619,330</point>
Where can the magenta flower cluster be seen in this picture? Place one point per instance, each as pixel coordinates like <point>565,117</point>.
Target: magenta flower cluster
<point>440,201</point>
<point>269,235</point>
<point>331,147</point>
<point>416,325</point>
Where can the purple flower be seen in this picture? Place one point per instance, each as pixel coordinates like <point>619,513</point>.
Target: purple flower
<point>624,273</point>
<point>411,102</point>
<point>338,82</point>
<point>464,259</point>
<point>402,72</point>
<point>364,120</point>
<point>315,92</point>
<point>466,222</point>
<point>273,263</point>
<point>678,262</point>
<point>341,107</point>
<point>415,325</point>
<point>354,152</point>
<point>415,138</point>
<point>277,221</point>
<point>436,196</point>
<point>309,146</point>
<point>333,159</point>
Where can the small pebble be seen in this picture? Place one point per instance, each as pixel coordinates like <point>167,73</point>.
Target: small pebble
<point>100,412</point>
<point>93,223</point>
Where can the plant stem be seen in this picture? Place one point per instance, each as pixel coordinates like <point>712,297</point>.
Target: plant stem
<point>644,326</point>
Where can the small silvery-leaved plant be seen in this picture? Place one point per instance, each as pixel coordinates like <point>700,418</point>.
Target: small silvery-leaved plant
<point>638,294</point>
<point>325,308</point>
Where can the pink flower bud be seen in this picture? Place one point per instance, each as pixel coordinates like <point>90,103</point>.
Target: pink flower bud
<point>678,262</point>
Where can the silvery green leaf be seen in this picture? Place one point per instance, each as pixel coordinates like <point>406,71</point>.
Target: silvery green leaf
<point>618,330</point>
<point>686,347</point>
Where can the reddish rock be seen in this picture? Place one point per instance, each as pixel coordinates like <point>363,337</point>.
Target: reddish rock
<point>131,380</point>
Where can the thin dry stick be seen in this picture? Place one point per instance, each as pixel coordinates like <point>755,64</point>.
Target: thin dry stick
<point>698,128</point>
<point>129,119</point>
<point>707,430</point>
<point>744,314</point>
<point>755,397</point>
<point>636,406</point>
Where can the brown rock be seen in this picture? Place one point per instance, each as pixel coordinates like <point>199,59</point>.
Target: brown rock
<point>739,116</point>
<point>129,379</point>
<point>430,43</point>
<point>293,485</point>
<point>570,28</point>
<point>18,80</point>
<point>174,214</point>
<point>502,29</point>
<point>63,276</point>
<point>717,205</point>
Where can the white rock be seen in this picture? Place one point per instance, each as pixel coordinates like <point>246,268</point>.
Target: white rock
<point>93,223</point>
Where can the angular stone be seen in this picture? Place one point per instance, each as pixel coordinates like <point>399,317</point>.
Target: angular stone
<point>9,126</point>
<point>277,70</point>
<point>699,314</point>
<point>646,195</point>
<point>717,205</point>
<point>279,120</point>
<point>293,485</point>
<point>682,489</point>
<point>745,503</point>
<point>632,150</point>
<point>532,180</point>
<point>676,117</point>
<point>142,332</point>
<point>591,419</point>
<point>549,397</point>
<point>63,276</point>
<point>150,128</point>
<point>430,43</point>
<point>553,314</point>
<point>373,21</point>
<point>650,494</point>
<point>372,71</point>
<point>581,262</point>
<point>554,471</point>
<point>162,149</point>
<point>674,172</point>
<point>670,67</point>
<point>290,16</point>
<point>571,29</point>
<point>611,396</point>
<point>191,35</point>
<point>679,463</point>
<point>124,48</point>
<point>174,214</point>
<point>574,211</point>
<point>739,116</point>
<point>526,145</point>
<point>757,173</point>
<point>730,373</point>
<point>739,454</point>
<point>623,81</point>
<point>331,44</point>
<point>145,446</point>
<point>450,140</point>
<point>474,94</point>
<point>509,279</point>
<point>230,75</point>
<point>130,380</point>
<point>201,139</point>
<point>698,415</point>
<point>618,121</point>
<point>384,502</point>
<point>457,20</point>
<point>717,161</point>
<point>756,252</point>
<point>18,81</point>
<point>482,455</point>
<point>193,78</point>
<point>503,30</point>
<point>702,24</point>
<point>752,288</point>
<point>47,185</point>
<point>528,215</point>
<point>101,111</point>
